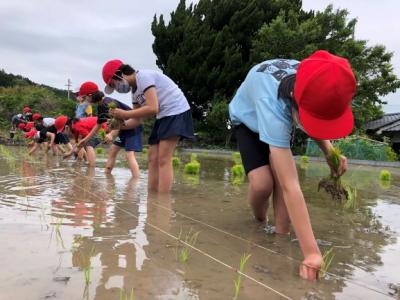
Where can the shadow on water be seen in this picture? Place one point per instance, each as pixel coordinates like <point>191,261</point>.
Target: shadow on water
<point>115,235</point>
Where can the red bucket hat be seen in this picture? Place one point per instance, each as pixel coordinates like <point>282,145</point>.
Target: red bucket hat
<point>109,70</point>
<point>35,117</point>
<point>60,122</point>
<point>26,110</point>
<point>88,88</point>
<point>325,85</point>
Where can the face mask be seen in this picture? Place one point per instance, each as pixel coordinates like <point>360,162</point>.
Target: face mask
<point>122,86</point>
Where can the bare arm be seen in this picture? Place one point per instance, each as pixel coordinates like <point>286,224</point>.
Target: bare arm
<point>286,173</point>
<point>326,147</point>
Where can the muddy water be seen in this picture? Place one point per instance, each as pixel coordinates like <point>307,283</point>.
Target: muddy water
<point>58,219</point>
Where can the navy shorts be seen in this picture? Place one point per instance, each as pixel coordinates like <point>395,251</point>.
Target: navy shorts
<point>61,138</point>
<point>180,125</point>
<point>130,139</point>
<point>94,141</point>
<point>254,152</point>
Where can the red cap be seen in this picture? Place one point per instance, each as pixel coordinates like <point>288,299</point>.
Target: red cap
<point>60,122</point>
<point>35,117</point>
<point>29,126</point>
<point>26,110</point>
<point>110,68</point>
<point>30,134</point>
<point>325,85</point>
<point>21,126</point>
<point>88,88</point>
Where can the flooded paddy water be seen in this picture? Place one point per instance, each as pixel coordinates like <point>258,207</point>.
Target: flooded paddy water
<point>70,232</point>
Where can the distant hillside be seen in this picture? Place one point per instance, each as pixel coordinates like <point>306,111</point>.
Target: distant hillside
<point>11,80</point>
<point>17,91</point>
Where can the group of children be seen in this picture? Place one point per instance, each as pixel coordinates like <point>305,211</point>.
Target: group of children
<point>276,96</point>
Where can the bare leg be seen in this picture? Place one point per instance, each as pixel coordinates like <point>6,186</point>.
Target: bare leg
<point>133,164</point>
<point>260,188</point>
<point>91,156</point>
<point>152,158</point>
<point>166,150</point>
<point>112,156</point>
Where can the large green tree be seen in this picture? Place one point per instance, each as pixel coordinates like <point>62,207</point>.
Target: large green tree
<point>209,47</point>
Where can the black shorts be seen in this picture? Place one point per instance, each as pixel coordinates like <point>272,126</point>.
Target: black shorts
<point>61,138</point>
<point>254,152</point>
<point>180,125</point>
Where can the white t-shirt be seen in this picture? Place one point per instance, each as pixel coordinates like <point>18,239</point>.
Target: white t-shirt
<point>171,100</point>
<point>47,122</point>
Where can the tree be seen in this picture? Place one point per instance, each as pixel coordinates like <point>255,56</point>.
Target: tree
<point>205,48</point>
<point>289,37</point>
<point>208,48</point>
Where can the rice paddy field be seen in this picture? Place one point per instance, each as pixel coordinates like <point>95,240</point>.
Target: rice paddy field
<point>71,232</point>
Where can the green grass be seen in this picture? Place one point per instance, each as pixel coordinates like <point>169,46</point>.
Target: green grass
<point>78,239</point>
<point>238,282</point>
<point>304,159</point>
<point>334,158</point>
<point>327,261</point>
<point>123,295</point>
<point>385,175</point>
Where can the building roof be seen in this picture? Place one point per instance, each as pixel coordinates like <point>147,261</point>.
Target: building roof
<point>386,120</point>
<point>391,128</point>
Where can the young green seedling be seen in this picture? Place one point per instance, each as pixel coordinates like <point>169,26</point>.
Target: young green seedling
<point>238,282</point>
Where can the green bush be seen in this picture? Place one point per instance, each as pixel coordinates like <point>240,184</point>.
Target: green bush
<point>385,175</point>
<point>357,148</point>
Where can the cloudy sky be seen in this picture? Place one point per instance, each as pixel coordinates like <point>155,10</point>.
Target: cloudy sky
<point>50,41</point>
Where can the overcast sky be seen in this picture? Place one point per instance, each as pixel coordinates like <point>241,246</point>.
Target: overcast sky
<point>50,41</point>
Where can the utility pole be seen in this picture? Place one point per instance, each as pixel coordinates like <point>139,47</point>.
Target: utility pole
<point>69,85</point>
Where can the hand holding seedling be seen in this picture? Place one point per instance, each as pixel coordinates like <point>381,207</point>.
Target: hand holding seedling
<point>310,267</point>
<point>118,113</point>
<point>108,138</point>
<point>337,164</point>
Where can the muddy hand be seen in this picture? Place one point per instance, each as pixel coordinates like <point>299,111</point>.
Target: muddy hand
<point>310,267</point>
<point>108,138</point>
<point>342,167</point>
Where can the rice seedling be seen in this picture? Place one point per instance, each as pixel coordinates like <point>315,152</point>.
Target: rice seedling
<point>57,229</point>
<point>351,202</point>
<point>327,261</point>
<point>123,295</point>
<point>114,123</point>
<point>100,151</point>
<point>190,241</point>
<point>237,159</point>
<point>333,184</point>
<point>78,239</point>
<point>102,133</point>
<point>304,159</point>
<point>176,161</point>
<point>193,167</point>
<point>385,175</point>
<point>238,282</point>
<point>87,273</point>
<point>237,174</point>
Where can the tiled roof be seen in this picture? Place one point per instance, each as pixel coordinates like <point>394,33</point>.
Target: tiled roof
<point>384,121</point>
<point>392,127</point>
